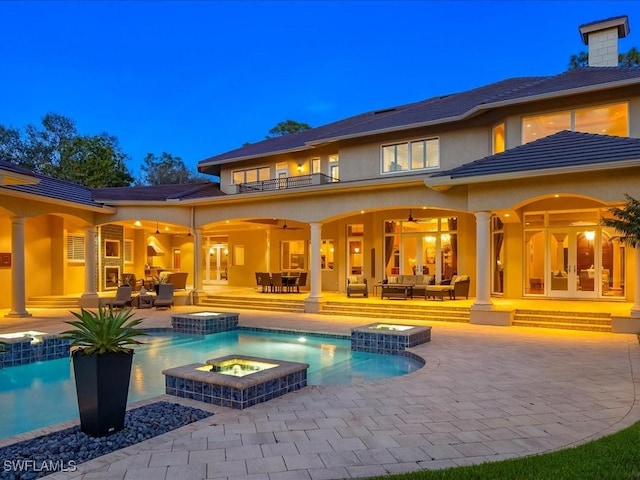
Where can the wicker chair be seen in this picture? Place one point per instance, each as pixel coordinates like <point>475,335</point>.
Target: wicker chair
<point>357,284</point>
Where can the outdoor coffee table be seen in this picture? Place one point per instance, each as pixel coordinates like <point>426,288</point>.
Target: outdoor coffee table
<point>397,291</point>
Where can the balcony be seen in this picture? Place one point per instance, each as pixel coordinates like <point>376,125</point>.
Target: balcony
<point>285,183</point>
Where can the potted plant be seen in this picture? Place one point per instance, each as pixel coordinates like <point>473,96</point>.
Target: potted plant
<point>102,358</point>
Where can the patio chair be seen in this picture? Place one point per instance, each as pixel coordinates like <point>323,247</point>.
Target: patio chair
<point>122,298</point>
<point>276,282</point>
<point>301,281</point>
<point>164,299</point>
<point>178,280</point>
<point>357,284</point>
<point>265,281</point>
<point>130,279</point>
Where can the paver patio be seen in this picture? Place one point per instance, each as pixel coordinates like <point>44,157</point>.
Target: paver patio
<point>485,394</point>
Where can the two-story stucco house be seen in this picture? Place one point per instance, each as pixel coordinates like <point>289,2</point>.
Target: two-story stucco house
<point>506,183</point>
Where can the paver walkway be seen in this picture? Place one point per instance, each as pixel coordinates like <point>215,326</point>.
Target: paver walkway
<point>485,394</point>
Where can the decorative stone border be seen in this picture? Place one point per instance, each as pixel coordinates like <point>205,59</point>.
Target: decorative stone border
<point>197,382</point>
<point>204,323</point>
<point>388,338</point>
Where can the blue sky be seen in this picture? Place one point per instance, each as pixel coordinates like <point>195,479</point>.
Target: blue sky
<point>200,78</point>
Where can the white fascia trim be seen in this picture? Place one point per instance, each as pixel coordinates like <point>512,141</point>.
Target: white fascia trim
<point>445,183</point>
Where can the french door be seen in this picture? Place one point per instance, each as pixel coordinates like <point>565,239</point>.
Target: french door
<point>216,263</point>
<point>574,263</point>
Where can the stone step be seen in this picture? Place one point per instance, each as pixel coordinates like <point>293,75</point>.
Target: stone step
<point>252,304</point>
<point>543,318</point>
<point>52,302</point>
<point>552,313</point>
<point>563,326</point>
<point>586,321</point>
<point>393,312</point>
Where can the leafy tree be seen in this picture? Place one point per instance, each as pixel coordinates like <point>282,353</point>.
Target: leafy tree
<point>166,170</point>
<point>58,150</point>
<point>94,161</point>
<point>11,146</point>
<point>626,221</point>
<point>629,59</point>
<point>287,128</point>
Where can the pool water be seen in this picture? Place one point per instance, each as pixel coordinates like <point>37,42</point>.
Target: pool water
<point>43,393</point>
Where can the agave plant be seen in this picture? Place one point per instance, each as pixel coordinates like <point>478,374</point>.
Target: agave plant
<point>104,331</point>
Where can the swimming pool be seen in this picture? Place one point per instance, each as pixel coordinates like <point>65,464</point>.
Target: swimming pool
<point>43,393</point>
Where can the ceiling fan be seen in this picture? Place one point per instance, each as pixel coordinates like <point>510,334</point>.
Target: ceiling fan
<point>287,227</point>
<point>411,219</point>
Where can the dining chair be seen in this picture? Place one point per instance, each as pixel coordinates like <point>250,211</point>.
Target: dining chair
<point>276,282</point>
<point>265,282</point>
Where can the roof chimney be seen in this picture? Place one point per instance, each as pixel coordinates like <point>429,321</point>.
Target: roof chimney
<point>602,38</point>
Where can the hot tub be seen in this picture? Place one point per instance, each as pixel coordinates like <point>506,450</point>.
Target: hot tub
<point>204,323</point>
<point>388,338</point>
<point>236,381</point>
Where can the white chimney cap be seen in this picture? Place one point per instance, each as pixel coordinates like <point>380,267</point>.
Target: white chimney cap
<point>621,23</point>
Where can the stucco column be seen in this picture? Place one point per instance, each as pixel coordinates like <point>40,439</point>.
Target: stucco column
<point>635,310</point>
<point>197,262</point>
<point>90,297</point>
<point>18,283</point>
<point>312,302</point>
<point>483,254</point>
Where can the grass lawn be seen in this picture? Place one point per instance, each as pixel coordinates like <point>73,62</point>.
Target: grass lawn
<point>609,458</point>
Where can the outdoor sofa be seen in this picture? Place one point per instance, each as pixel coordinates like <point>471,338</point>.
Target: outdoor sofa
<point>403,286</point>
<point>456,288</point>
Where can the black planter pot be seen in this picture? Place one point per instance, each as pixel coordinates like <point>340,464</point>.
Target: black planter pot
<point>102,383</point>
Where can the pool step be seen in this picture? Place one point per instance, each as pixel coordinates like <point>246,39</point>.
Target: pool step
<point>585,321</point>
<point>252,303</point>
<point>398,310</point>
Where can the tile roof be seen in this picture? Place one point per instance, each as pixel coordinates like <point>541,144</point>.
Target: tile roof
<point>437,110</point>
<point>54,188</point>
<point>561,150</point>
<point>49,187</point>
<point>12,167</point>
<point>158,192</point>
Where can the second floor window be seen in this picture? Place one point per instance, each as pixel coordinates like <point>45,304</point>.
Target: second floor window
<point>601,119</point>
<point>498,139</point>
<point>334,168</point>
<point>408,156</point>
<point>315,165</point>
<point>251,175</point>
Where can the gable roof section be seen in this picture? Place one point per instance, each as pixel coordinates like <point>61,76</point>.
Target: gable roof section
<point>437,110</point>
<point>158,193</point>
<point>12,174</point>
<point>53,189</point>
<point>555,154</point>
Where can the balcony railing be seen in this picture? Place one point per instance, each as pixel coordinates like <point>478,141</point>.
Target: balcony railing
<point>286,183</point>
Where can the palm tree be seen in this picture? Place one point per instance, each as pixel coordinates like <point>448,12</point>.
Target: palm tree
<point>626,221</point>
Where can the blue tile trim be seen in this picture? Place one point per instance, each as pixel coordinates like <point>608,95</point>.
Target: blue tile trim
<point>367,339</point>
<point>296,332</point>
<point>204,325</point>
<point>239,398</point>
<point>25,351</point>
